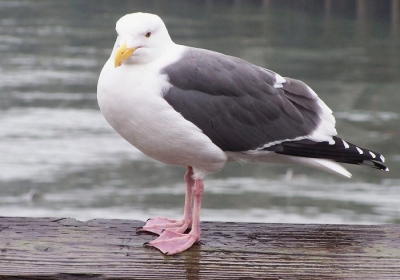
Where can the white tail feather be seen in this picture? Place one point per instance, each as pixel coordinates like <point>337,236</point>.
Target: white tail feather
<point>323,164</point>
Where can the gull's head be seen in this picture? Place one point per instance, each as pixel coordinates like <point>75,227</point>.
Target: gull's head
<point>142,38</point>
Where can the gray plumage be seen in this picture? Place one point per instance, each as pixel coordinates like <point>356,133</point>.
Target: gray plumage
<point>243,107</point>
<point>236,104</point>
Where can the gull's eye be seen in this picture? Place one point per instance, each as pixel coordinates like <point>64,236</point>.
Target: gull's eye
<point>148,34</point>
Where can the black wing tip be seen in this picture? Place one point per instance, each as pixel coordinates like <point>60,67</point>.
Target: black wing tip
<point>375,164</point>
<point>374,160</point>
<point>341,151</point>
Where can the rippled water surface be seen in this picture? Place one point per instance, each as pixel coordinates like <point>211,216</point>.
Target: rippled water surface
<point>58,156</point>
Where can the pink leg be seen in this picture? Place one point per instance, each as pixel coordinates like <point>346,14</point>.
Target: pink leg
<point>158,224</point>
<point>171,242</point>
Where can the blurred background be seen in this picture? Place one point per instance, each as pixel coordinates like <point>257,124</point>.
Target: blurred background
<point>59,157</point>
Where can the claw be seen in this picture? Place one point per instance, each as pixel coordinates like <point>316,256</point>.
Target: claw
<point>139,229</point>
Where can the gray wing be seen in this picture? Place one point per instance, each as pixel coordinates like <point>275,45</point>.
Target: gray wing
<point>238,105</point>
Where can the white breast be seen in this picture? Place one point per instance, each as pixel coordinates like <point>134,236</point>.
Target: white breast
<point>129,98</point>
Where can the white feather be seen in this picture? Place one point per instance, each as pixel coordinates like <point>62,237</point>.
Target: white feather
<point>326,128</point>
<point>279,81</point>
<point>271,157</point>
<point>133,106</point>
<point>129,98</point>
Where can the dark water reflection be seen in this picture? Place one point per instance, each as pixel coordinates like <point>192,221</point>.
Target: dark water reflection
<point>54,141</point>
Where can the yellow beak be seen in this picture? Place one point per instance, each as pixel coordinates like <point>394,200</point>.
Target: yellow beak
<point>122,54</point>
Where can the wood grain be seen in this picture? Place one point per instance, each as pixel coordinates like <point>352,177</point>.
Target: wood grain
<point>52,248</point>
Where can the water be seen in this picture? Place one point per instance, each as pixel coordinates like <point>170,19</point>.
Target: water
<point>58,156</point>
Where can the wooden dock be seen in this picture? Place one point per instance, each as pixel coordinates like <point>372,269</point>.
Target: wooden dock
<point>53,248</point>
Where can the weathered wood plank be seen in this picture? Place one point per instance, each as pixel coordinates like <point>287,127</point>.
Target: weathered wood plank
<point>51,248</point>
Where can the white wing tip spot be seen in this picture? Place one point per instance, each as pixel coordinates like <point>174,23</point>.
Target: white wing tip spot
<point>372,154</point>
<point>332,141</point>
<point>279,81</point>
<point>359,150</point>
<point>345,144</point>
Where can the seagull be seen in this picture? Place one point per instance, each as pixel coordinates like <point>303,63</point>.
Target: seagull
<point>201,109</point>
